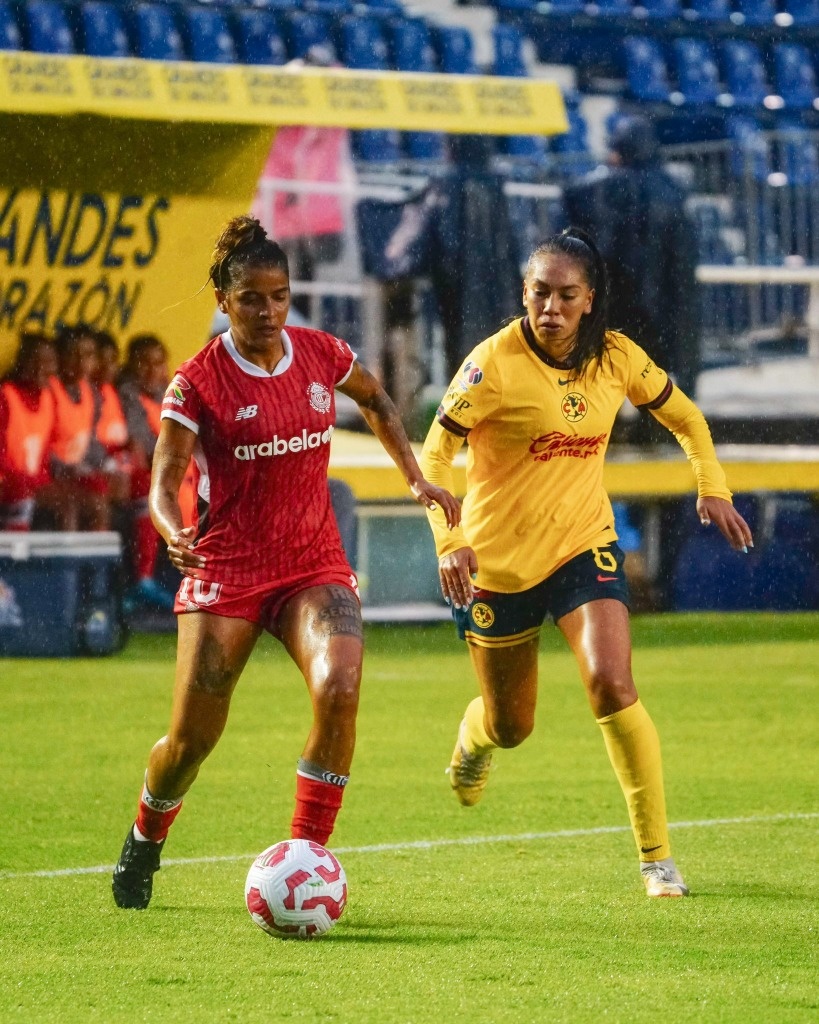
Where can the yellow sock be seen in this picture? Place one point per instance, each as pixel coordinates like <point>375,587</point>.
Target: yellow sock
<point>474,738</point>
<point>634,751</point>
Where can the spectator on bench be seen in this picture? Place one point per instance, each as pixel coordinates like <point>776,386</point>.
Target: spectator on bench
<point>27,414</point>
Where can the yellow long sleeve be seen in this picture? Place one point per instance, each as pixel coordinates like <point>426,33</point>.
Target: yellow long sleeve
<point>437,456</point>
<point>687,424</point>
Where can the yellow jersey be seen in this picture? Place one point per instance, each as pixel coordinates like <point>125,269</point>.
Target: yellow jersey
<point>538,436</point>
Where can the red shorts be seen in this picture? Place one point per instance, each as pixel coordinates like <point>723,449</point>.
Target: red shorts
<point>260,604</point>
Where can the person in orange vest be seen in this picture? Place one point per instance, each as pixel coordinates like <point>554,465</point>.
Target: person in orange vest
<point>26,426</point>
<point>78,460</point>
<point>142,385</point>
<point>112,430</point>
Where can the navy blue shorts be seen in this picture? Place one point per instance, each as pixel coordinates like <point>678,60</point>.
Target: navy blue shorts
<point>504,620</point>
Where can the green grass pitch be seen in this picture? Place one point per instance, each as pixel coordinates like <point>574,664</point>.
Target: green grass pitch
<point>527,908</point>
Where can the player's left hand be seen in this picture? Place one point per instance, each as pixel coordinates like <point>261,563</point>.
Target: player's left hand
<point>731,524</point>
<point>434,497</point>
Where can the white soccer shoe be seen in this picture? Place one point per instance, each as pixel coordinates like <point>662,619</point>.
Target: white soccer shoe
<point>661,878</point>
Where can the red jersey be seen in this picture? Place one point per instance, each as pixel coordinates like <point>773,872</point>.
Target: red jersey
<point>262,452</point>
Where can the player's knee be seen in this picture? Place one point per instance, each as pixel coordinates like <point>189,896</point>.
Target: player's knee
<point>335,691</point>
<point>610,692</point>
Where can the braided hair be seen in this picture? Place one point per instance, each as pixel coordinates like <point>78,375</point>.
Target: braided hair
<point>242,243</point>
<point>591,333</point>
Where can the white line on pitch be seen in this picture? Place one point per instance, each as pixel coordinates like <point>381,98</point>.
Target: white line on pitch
<point>431,844</point>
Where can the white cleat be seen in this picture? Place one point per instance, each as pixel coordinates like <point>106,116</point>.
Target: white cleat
<point>661,878</point>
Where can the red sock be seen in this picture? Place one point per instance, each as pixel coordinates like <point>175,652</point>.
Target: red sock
<point>155,817</point>
<point>317,804</point>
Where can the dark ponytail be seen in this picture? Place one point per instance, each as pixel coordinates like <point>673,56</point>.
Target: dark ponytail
<point>243,242</point>
<point>591,334</point>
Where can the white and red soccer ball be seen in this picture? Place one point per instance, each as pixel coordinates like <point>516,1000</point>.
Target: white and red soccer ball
<point>296,889</point>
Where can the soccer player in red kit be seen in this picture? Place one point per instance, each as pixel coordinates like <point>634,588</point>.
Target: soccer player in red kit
<point>255,408</point>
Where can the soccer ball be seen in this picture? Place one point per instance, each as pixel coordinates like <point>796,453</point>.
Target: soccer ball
<point>296,890</point>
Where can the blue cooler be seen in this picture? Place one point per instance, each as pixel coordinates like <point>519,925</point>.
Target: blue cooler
<point>60,594</point>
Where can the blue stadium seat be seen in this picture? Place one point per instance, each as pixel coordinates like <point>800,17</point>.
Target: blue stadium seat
<point>510,63</point>
<point>795,75</point>
<point>455,50</point>
<point>156,36</point>
<point>805,13</point>
<point>745,73</point>
<point>697,72</point>
<point>757,12</point>
<point>508,43</point>
<point>208,36</point>
<point>258,38</point>
<point>305,29</point>
<point>661,10</point>
<point>103,30</point>
<point>712,11</point>
<point>412,50</point>
<point>10,36</point>
<point>646,70</point>
<point>363,45</point>
<point>611,8</point>
<point>48,28</point>
<point>750,152</point>
<point>798,154</point>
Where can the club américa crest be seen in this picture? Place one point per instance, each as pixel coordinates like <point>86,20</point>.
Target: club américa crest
<point>482,615</point>
<point>574,407</point>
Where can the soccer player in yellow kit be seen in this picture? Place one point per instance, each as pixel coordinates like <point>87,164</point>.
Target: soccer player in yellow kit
<point>537,402</point>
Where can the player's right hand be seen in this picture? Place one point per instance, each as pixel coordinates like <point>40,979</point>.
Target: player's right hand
<point>181,552</point>
<point>455,571</point>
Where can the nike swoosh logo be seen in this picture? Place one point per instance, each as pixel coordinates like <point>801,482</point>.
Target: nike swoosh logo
<point>561,382</point>
<point>650,849</point>
<point>608,579</point>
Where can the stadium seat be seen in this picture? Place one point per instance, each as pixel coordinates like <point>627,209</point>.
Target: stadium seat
<point>756,12</point>
<point>103,30</point>
<point>711,11</point>
<point>412,50</point>
<point>745,73</point>
<point>750,152</point>
<point>455,50</point>
<point>362,44</point>
<point>795,75</point>
<point>258,38</point>
<point>48,27</point>
<point>306,29</point>
<point>10,37</point>
<point>156,36</point>
<point>660,10</point>
<point>363,47</point>
<point>208,35</point>
<point>798,154</point>
<point>697,72</point>
<point>805,13</point>
<point>510,63</point>
<point>611,8</point>
<point>646,70</point>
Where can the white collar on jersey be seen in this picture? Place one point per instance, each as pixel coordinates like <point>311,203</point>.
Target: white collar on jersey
<point>251,368</point>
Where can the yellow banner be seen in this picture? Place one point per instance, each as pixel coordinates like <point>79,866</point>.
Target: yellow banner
<point>120,234</point>
<point>161,90</point>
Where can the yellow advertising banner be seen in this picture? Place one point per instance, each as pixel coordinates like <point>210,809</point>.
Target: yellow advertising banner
<point>164,90</point>
<point>112,224</point>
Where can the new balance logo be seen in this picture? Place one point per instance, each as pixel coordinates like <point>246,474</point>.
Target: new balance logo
<point>247,412</point>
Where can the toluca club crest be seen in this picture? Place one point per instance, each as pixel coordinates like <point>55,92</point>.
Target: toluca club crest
<point>319,397</point>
